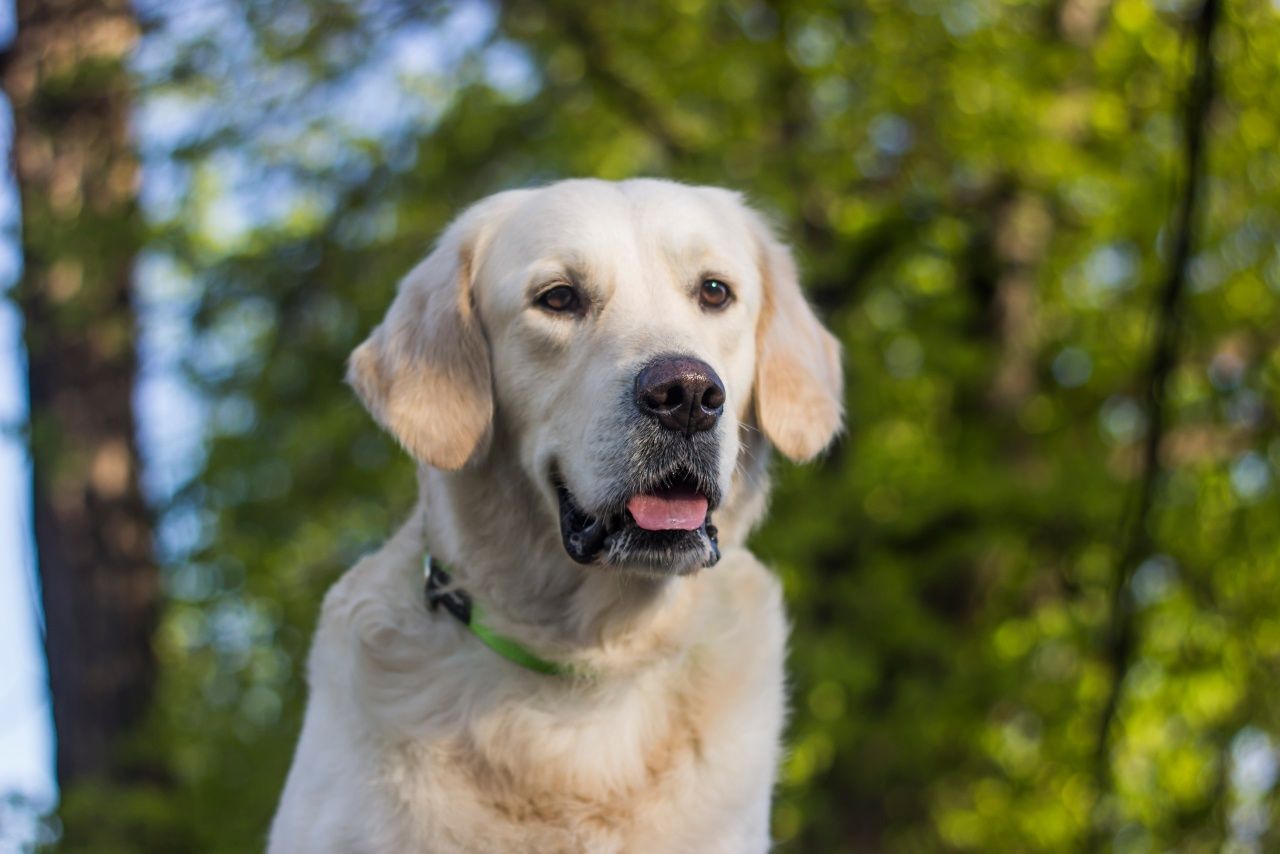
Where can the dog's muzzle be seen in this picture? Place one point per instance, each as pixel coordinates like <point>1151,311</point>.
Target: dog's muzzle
<point>665,526</point>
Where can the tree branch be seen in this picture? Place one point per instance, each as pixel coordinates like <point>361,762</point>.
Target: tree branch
<point>1122,632</point>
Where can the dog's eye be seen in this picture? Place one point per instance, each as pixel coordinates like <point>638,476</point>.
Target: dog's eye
<point>562,299</point>
<point>714,294</point>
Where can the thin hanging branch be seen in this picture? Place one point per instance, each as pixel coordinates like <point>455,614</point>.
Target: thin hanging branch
<point>1122,633</point>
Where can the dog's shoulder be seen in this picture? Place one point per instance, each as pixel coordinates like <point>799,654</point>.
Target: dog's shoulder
<point>376,649</point>
<point>371,603</point>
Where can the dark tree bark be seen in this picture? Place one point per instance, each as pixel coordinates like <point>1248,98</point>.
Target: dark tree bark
<point>77,176</point>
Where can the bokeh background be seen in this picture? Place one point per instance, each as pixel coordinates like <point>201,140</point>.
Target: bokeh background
<point>1035,590</point>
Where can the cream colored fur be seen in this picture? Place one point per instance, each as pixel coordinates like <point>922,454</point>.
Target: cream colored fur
<point>420,738</point>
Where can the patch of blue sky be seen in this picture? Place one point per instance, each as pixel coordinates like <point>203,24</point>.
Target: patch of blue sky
<point>170,411</point>
<point>1105,273</point>
<point>26,731</point>
<point>509,69</point>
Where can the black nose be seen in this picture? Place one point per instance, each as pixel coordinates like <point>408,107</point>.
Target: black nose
<point>683,393</point>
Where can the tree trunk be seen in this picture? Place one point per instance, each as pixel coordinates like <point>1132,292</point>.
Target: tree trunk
<point>77,176</point>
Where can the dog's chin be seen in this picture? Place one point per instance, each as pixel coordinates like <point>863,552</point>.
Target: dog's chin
<point>662,553</point>
<point>614,539</point>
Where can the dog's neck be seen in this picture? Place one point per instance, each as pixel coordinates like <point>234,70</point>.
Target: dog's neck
<point>502,543</point>
<point>500,548</point>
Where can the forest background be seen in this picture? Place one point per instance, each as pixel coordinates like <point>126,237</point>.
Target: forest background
<point>1035,594</point>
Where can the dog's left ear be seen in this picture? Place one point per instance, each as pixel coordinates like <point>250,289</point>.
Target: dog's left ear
<point>424,372</point>
<point>799,378</point>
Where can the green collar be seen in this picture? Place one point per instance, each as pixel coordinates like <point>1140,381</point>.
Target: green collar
<point>460,604</point>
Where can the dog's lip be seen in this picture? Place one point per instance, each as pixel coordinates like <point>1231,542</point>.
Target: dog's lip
<point>583,534</point>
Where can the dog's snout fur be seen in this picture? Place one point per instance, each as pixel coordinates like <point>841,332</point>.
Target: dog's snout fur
<point>684,393</point>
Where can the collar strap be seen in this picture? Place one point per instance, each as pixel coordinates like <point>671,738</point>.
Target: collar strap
<point>464,609</point>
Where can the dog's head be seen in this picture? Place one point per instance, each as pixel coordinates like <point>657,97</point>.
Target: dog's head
<point>622,341</point>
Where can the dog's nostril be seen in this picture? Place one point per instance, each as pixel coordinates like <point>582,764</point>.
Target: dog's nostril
<point>661,398</point>
<point>713,398</point>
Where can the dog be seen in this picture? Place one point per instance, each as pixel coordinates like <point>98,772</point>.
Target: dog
<point>591,377</point>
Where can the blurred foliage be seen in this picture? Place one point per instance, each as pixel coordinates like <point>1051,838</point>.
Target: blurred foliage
<point>979,192</point>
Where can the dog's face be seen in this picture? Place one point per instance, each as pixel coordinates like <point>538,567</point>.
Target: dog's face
<point>619,338</point>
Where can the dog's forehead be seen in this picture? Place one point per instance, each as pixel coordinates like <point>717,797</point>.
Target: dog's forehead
<point>589,221</point>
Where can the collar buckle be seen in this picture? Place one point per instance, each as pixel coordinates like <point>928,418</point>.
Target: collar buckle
<point>456,602</point>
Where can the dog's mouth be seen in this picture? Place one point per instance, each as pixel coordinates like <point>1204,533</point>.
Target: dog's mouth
<point>663,527</point>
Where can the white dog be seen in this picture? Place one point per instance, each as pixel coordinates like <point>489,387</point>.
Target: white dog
<point>590,376</point>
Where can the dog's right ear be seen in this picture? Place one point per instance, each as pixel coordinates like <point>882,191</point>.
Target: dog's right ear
<point>799,378</point>
<point>424,371</point>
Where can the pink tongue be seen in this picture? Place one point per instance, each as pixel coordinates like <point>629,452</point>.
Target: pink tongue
<point>669,513</point>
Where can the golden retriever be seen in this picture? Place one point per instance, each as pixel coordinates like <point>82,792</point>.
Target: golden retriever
<point>590,376</point>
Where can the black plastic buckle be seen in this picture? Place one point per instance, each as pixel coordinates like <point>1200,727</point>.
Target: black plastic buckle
<point>456,602</point>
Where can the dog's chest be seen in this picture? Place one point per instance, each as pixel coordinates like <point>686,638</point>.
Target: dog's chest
<point>579,777</point>
<point>679,757</point>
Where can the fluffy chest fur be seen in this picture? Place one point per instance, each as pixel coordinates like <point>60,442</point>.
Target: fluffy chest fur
<point>456,749</point>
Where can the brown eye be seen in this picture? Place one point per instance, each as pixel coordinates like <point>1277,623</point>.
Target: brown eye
<point>562,299</point>
<point>714,294</point>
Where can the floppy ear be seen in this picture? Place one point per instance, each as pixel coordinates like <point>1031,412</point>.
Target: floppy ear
<point>424,371</point>
<point>799,379</point>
